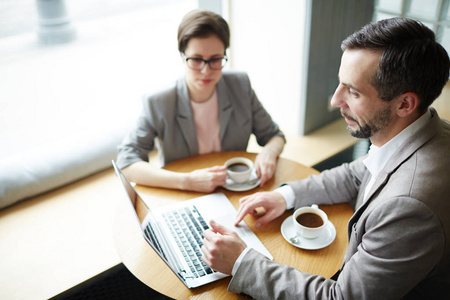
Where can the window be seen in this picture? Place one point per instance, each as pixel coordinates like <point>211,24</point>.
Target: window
<point>433,13</point>
<point>79,11</point>
<point>64,92</point>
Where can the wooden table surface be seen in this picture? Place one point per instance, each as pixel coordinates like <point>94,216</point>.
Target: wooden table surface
<point>145,264</point>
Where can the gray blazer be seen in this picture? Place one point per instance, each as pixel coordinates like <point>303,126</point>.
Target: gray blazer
<point>167,119</point>
<point>399,239</point>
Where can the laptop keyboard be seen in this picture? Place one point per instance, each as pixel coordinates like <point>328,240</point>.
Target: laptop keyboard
<point>148,231</point>
<point>187,226</point>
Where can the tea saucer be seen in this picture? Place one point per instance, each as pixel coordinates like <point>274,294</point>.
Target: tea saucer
<point>252,182</point>
<point>324,239</point>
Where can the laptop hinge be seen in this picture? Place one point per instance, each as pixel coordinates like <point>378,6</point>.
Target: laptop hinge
<point>183,274</point>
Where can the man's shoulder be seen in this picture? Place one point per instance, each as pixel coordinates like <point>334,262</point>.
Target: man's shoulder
<point>421,174</point>
<point>437,146</point>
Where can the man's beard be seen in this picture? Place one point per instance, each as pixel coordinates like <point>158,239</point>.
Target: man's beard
<point>380,121</point>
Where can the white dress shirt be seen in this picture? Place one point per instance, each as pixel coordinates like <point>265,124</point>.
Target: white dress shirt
<point>379,156</point>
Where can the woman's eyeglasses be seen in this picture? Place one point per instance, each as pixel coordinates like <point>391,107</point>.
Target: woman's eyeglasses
<point>196,63</point>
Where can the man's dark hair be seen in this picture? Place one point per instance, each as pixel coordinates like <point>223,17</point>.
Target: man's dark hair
<point>411,59</point>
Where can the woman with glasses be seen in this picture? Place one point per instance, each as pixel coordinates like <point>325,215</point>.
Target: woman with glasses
<point>207,110</point>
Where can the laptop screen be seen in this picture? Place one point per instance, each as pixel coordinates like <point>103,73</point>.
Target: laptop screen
<point>139,206</point>
<point>141,210</point>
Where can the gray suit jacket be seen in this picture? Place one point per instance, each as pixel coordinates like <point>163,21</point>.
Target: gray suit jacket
<point>167,118</point>
<point>399,239</point>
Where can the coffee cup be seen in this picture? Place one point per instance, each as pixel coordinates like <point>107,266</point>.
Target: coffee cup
<point>239,169</point>
<point>309,221</point>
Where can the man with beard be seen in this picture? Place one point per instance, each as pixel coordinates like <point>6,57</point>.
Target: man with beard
<point>391,72</point>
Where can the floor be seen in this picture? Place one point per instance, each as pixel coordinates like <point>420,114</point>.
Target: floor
<point>115,284</point>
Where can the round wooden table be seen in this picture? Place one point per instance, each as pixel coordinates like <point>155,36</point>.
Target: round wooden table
<point>146,265</point>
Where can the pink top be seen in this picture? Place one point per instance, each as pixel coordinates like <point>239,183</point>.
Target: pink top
<point>206,118</point>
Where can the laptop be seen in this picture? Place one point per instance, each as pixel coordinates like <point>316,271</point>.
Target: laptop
<point>175,231</point>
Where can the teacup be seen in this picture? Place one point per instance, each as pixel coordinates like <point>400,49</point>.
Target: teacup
<point>239,169</point>
<point>309,221</point>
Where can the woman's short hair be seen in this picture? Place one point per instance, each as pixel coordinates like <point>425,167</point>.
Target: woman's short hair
<point>199,23</point>
<point>411,59</point>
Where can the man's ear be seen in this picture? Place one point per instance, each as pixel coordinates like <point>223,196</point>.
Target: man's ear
<point>407,104</point>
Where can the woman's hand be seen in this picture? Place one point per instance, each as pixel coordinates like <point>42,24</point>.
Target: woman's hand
<point>205,180</point>
<point>266,160</point>
<point>265,165</point>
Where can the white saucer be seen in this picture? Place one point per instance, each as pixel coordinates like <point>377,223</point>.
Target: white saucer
<point>324,239</point>
<point>241,187</point>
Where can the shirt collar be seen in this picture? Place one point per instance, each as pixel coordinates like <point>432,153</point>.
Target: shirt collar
<point>379,156</point>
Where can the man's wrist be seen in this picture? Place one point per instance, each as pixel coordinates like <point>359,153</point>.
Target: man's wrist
<point>288,194</point>
<point>237,263</point>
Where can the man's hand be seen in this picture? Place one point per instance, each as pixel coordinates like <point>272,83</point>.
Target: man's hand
<point>205,180</point>
<point>221,248</point>
<point>273,203</point>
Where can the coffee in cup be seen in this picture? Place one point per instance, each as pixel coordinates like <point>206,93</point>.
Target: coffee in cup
<point>309,221</point>
<point>239,169</point>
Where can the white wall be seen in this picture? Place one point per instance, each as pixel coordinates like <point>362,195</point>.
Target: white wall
<point>267,41</point>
